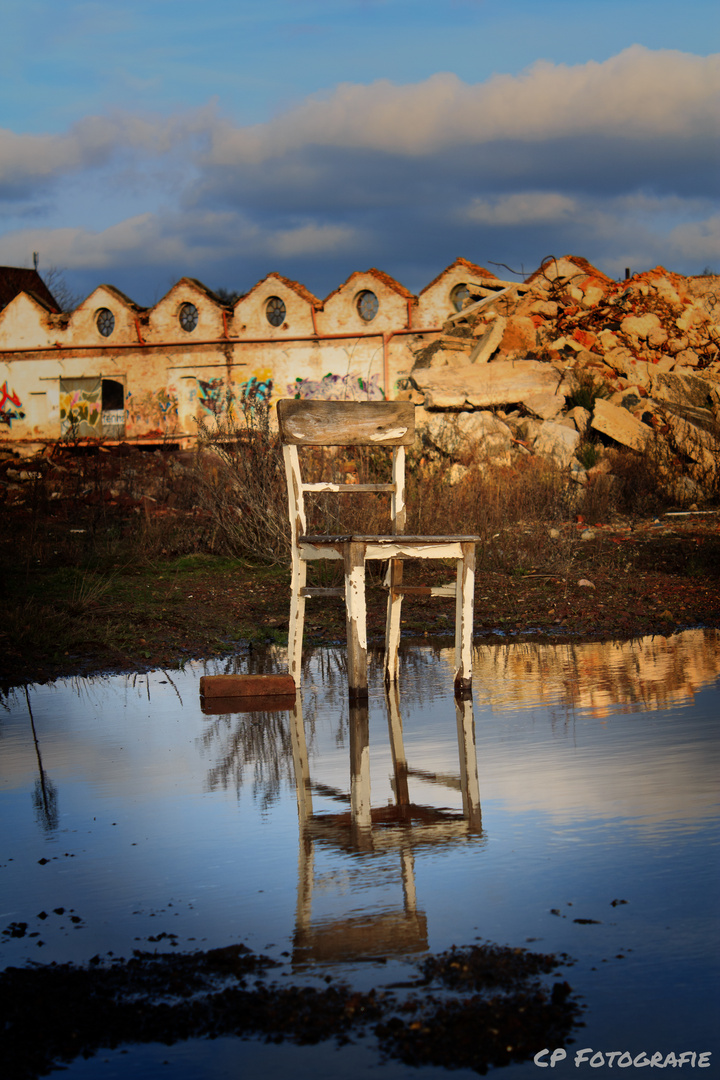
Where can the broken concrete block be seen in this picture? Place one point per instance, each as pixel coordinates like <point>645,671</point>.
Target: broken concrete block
<point>580,418</point>
<point>544,406</point>
<point>481,386</point>
<point>557,441</point>
<point>683,388</point>
<point>626,364</point>
<point>488,343</point>
<point>468,431</point>
<point>687,358</point>
<point>520,336</point>
<point>620,425</point>
<point>640,326</point>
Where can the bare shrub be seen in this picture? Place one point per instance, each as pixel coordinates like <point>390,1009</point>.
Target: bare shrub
<point>240,482</point>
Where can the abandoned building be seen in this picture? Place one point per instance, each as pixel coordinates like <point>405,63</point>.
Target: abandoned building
<point>113,370</point>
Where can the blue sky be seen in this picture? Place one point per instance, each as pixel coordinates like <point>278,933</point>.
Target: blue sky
<point>140,141</point>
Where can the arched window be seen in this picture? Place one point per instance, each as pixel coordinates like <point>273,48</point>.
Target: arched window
<point>367,305</point>
<point>459,295</point>
<point>188,317</point>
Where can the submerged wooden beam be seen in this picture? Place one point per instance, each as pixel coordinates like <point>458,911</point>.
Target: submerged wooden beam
<point>246,686</point>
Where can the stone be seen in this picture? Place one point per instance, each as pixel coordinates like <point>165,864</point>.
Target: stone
<point>519,336</point>
<point>625,364</point>
<point>587,534</point>
<point>585,583</point>
<point>640,326</point>
<point>580,418</point>
<point>683,389</point>
<point>657,337</point>
<point>488,343</point>
<point>547,308</point>
<point>456,473</point>
<point>620,425</point>
<point>544,406</point>
<point>468,431</point>
<point>557,441</point>
<point>687,358</point>
<point>483,385</point>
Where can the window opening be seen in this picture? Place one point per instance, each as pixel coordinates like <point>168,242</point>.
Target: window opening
<point>367,305</point>
<point>459,295</point>
<point>105,321</point>
<point>113,409</point>
<point>275,311</point>
<point>188,317</point>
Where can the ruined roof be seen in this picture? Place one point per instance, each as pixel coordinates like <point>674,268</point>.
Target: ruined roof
<point>381,276</point>
<point>296,287</point>
<point>16,279</point>
<point>479,271</point>
<point>582,264</point>
<point>118,294</point>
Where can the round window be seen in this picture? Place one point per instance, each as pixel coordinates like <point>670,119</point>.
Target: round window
<point>275,311</point>
<point>367,305</point>
<point>459,295</point>
<point>105,321</point>
<point>188,317</point>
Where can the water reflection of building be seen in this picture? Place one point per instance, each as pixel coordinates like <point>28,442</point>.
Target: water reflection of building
<point>385,838</point>
<point>599,676</point>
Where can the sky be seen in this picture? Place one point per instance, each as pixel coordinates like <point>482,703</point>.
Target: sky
<point>145,140</point>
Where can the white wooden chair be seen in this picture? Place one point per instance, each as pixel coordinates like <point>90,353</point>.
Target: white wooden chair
<point>388,424</point>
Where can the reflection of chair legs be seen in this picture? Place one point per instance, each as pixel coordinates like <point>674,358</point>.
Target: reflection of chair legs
<point>360,773</point>
<point>469,782</point>
<point>397,748</point>
<point>301,764</point>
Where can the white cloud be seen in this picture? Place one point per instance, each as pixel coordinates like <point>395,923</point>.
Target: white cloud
<point>532,207</point>
<point>183,240</point>
<point>698,239</point>
<point>637,94</point>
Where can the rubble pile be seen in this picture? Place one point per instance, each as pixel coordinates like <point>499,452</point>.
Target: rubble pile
<point>571,359</point>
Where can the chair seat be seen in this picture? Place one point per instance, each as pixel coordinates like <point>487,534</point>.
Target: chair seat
<point>402,538</point>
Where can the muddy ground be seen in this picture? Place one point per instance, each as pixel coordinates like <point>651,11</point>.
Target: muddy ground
<point>629,579</point>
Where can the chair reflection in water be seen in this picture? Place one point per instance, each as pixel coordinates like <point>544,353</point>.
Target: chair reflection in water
<point>388,834</point>
<point>388,425</point>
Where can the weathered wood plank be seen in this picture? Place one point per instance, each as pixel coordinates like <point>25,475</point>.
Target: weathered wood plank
<point>227,686</point>
<point>346,423</point>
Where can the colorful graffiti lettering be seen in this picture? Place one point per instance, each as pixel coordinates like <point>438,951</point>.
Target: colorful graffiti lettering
<point>255,391</point>
<point>80,411</point>
<point>213,397</point>
<point>7,415</point>
<point>338,388</point>
<point>159,409</point>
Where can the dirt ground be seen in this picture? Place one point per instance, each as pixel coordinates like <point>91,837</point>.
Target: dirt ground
<point>629,579</point>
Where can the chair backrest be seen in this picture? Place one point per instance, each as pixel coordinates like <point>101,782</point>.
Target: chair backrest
<point>345,423</point>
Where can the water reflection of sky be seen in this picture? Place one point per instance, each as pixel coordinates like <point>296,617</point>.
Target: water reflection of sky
<point>597,766</point>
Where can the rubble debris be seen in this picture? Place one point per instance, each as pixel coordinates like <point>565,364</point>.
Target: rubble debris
<point>575,357</point>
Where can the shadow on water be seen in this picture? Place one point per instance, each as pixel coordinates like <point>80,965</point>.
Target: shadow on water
<point>397,866</point>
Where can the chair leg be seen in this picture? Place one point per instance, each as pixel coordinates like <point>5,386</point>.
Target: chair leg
<point>356,619</point>
<point>297,619</point>
<point>392,621</point>
<point>464,604</point>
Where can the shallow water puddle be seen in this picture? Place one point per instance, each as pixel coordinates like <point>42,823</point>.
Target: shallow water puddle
<point>571,807</point>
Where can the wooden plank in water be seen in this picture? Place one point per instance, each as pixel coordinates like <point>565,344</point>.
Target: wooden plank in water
<point>241,686</point>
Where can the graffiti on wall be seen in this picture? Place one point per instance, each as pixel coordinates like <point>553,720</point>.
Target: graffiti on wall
<point>337,388</point>
<point>218,399</point>
<point>255,391</point>
<point>10,406</point>
<point>81,407</point>
<point>155,409</point>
